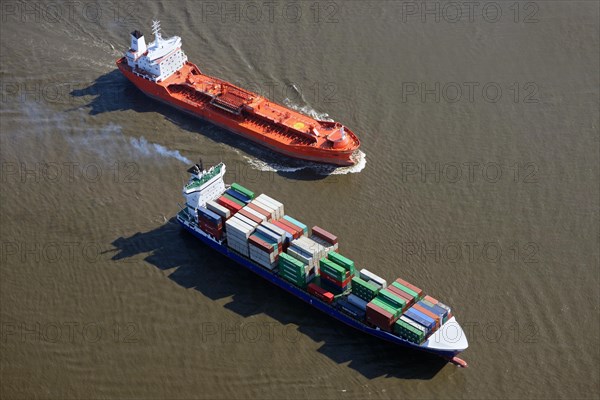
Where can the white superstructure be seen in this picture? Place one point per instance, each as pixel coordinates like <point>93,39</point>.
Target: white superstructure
<point>203,186</point>
<point>159,59</point>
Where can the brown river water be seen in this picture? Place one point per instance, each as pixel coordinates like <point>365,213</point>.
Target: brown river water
<point>479,182</point>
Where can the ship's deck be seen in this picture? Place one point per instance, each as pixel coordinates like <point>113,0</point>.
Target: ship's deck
<point>258,113</point>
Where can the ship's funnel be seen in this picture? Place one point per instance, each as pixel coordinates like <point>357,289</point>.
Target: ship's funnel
<point>138,43</point>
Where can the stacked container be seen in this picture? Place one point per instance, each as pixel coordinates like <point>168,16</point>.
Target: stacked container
<point>381,314</point>
<point>363,289</point>
<point>219,209</point>
<point>210,222</point>
<point>307,251</point>
<point>277,207</point>
<point>372,278</point>
<point>407,329</point>
<point>238,233</point>
<point>262,252</point>
<point>343,262</point>
<point>297,223</point>
<point>232,206</point>
<point>242,190</point>
<point>333,276</point>
<point>351,309</point>
<point>292,270</point>
<point>325,239</point>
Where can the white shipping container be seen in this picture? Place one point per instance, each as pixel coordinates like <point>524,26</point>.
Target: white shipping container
<point>310,261</point>
<point>246,220</point>
<point>367,275</point>
<point>269,233</point>
<point>276,205</point>
<point>265,207</point>
<point>357,301</point>
<point>255,213</point>
<point>275,229</point>
<point>237,227</point>
<point>261,253</point>
<point>413,323</point>
<point>218,209</point>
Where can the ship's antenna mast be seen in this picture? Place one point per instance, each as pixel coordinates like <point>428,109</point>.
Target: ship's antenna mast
<point>156,31</point>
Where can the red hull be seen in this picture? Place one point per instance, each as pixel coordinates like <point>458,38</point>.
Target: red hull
<point>256,118</point>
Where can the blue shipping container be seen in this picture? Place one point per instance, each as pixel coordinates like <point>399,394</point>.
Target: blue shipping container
<point>437,310</point>
<point>420,318</point>
<point>237,195</point>
<point>211,216</point>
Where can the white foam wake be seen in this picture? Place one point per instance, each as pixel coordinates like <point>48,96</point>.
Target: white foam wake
<point>321,169</point>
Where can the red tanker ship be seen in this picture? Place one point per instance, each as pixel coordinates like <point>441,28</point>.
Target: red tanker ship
<point>161,70</point>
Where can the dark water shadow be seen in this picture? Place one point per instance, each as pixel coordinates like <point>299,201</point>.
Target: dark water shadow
<point>195,265</point>
<point>113,92</point>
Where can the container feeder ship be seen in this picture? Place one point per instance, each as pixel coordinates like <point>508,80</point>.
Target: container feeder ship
<point>255,232</point>
<point>161,70</point>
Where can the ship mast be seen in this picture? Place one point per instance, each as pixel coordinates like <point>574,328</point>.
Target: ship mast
<point>156,31</point>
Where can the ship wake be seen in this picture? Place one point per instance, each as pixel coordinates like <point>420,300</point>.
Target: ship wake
<point>300,165</point>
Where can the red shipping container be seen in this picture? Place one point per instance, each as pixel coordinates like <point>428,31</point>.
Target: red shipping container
<point>431,315</point>
<point>231,205</point>
<point>335,281</point>
<point>260,210</point>
<point>250,216</point>
<point>411,287</point>
<point>320,293</point>
<point>206,221</point>
<point>297,231</point>
<point>284,227</point>
<point>261,244</point>
<point>292,225</point>
<point>405,296</point>
<point>379,317</point>
<point>323,234</point>
<point>431,299</point>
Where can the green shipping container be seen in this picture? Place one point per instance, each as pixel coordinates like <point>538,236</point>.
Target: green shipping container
<point>332,269</point>
<point>363,289</point>
<point>409,332</point>
<point>239,188</point>
<point>392,299</point>
<point>394,311</point>
<point>406,290</point>
<point>339,259</point>
<point>292,271</point>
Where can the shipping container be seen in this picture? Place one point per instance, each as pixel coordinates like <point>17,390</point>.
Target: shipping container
<point>276,205</point>
<point>274,229</point>
<point>342,261</point>
<point>365,290</point>
<point>408,298</point>
<point>250,216</point>
<point>421,318</point>
<point>266,207</point>
<point>245,220</point>
<point>260,210</point>
<point>345,284</point>
<point>297,223</point>
<point>357,301</point>
<point>293,226</point>
<point>392,299</point>
<point>320,293</point>
<point>268,233</point>
<point>238,196</point>
<point>239,188</point>
<point>209,215</point>
<point>435,309</point>
<point>412,287</point>
<point>380,317</point>
<point>437,318</point>
<point>406,290</point>
<point>350,309</point>
<point>330,268</point>
<point>323,234</point>
<point>290,233</point>
<point>386,306</point>
<point>261,244</point>
<point>218,209</point>
<point>230,205</point>
<point>258,215</point>
<point>367,275</point>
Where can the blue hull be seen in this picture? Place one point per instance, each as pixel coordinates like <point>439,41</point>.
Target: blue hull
<point>301,294</point>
